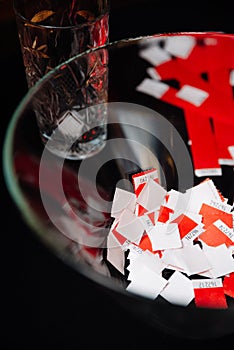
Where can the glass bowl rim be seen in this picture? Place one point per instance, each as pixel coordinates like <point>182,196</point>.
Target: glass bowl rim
<point>13,188</point>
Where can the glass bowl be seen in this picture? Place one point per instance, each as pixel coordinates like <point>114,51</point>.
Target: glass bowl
<point>168,106</point>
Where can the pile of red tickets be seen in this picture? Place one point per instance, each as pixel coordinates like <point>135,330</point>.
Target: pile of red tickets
<point>180,245</point>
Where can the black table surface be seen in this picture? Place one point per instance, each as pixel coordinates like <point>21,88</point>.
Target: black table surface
<point>45,304</point>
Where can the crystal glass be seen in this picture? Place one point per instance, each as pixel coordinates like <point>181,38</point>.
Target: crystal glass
<point>51,32</point>
<point>167,100</point>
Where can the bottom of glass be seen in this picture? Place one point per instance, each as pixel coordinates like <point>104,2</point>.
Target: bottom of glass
<point>77,151</point>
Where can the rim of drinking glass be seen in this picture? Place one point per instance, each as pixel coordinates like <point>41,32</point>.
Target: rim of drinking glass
<point>41,26</point>
<point>8,164</point>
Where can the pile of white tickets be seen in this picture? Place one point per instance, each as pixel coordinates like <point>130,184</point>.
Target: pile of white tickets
<point>190,235</point>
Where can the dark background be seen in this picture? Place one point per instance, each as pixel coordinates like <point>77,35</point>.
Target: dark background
<point>44,303</point>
